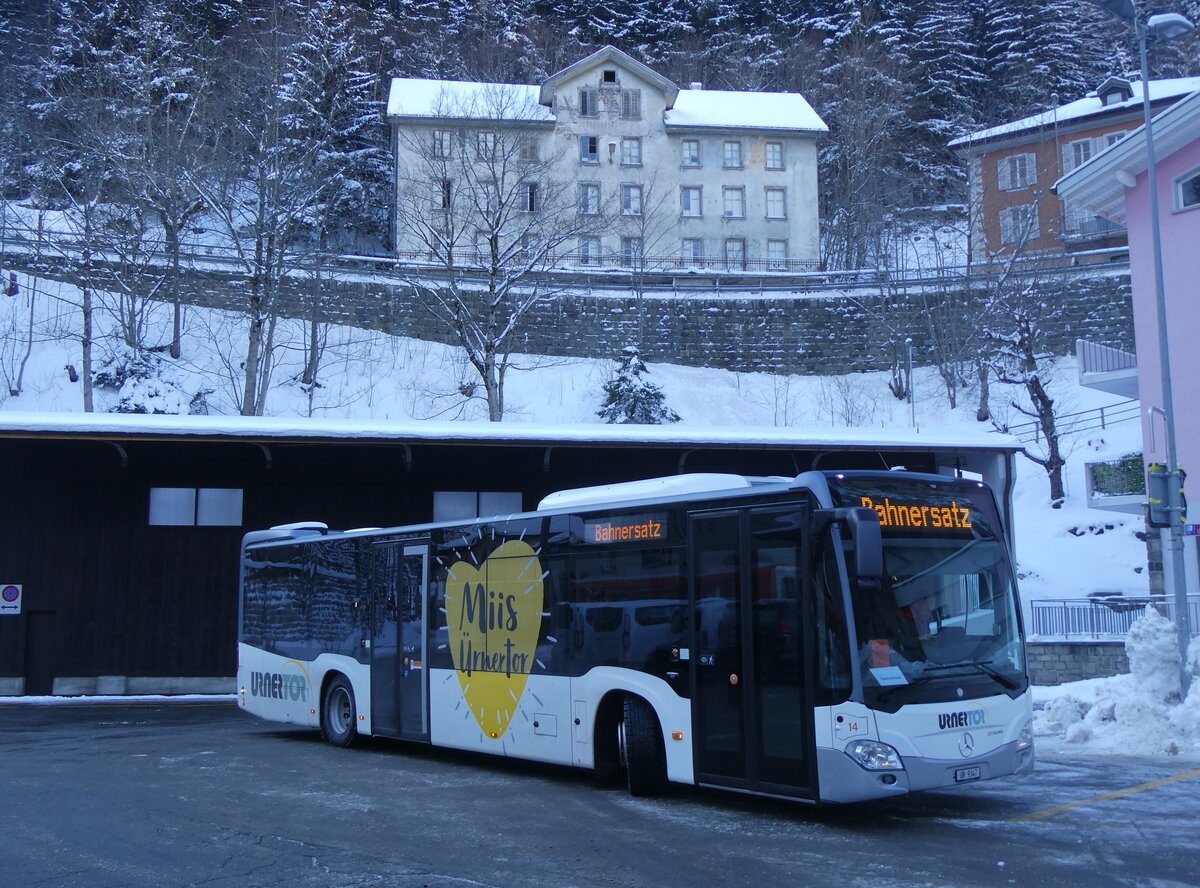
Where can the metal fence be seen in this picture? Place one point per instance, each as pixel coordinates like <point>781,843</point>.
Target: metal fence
<point>1100,619</point>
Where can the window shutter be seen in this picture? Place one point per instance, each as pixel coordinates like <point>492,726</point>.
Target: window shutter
<point>1004,173</point>
<point>1030,169</point>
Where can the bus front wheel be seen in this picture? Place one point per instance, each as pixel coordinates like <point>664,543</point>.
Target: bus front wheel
<point>641,744</point>
<point>338,713</point>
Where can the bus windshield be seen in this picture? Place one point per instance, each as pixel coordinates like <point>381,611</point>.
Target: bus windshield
<point>944,617</point>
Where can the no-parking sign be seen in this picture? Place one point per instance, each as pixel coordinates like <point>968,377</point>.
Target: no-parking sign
<point>10,599</point>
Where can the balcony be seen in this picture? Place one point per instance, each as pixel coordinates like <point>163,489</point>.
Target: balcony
<point>1117,485</point>
<point>1095,228</point>
<point>1107,369</point>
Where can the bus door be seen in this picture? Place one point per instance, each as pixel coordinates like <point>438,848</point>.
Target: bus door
<point>399,678</point>
<point>751,699</point>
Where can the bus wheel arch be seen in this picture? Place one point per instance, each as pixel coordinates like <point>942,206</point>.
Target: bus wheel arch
<point>339,712</point>
<point>641,747</point>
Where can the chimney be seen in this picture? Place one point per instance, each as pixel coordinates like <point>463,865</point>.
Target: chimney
<point>696,84</point>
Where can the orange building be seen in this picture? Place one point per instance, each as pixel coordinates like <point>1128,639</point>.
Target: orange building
<point>1011,168</point>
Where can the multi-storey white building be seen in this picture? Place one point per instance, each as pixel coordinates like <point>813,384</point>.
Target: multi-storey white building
<point>609,164</point>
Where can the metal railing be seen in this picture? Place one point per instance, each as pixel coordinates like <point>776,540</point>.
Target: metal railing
<point>1080,421</point>
<point>1096,358</point>
<point>1099,619</point>
<point>606,271</point>
<point>1096,227</point>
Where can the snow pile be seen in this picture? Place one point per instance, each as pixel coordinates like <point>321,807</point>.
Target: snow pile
<point>1135,714</point>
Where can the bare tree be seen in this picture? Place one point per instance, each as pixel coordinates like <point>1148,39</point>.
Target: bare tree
<point>487,207</point>
<point>1017,313</point>
<point>260,181</point>
<point>646,229</point>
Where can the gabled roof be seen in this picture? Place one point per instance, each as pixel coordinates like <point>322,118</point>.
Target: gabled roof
<point>1099,185</point>
<point>1090,106</point>
<point>418,99</point>
<point>608,55</point>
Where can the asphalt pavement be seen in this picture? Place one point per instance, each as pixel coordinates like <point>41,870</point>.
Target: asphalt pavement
<point>202,794</point>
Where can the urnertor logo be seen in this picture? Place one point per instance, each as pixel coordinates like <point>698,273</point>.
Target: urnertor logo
<point>972,717</point>
<point>281,685</point>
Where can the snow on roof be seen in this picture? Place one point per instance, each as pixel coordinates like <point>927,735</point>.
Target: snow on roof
<point>413,97</point>
<point>1081,108</point>
<point>757,110</point>
<point>258,428</point>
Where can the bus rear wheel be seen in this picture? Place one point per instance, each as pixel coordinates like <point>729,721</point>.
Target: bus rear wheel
<point>641,744</point>
<point>338,716</point>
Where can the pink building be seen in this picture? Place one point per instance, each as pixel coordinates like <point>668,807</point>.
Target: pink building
<point>1114,185</point>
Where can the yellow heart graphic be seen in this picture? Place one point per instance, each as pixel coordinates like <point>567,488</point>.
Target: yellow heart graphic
<point>493,615</point>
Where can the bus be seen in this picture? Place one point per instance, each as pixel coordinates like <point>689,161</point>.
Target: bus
<point>833,637</point>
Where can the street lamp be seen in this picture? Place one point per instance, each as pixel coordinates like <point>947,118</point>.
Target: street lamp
<point>1167,26</point>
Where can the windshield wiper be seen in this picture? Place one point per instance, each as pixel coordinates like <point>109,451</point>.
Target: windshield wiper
<point>983,667</point>
<point>930,670</point>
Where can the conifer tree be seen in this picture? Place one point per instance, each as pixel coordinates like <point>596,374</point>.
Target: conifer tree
<point>631,398</point>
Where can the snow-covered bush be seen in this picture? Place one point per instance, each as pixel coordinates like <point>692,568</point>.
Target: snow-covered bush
<point>629,398</point>
<point>142,382</point>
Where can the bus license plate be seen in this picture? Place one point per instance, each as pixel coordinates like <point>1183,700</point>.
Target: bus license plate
<point>962,775</point>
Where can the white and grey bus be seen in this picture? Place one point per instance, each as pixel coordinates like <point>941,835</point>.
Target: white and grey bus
<point>834,637</point>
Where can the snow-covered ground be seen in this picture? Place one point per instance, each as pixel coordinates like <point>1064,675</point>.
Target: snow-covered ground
<point>1069,552</point>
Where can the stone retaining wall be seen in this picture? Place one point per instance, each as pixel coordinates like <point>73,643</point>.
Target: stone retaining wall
<point>811,333</point>
<point>1054,663</point>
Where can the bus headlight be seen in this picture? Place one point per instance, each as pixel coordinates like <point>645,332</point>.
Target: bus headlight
<point>1025,738</point>
<point>874,756</point>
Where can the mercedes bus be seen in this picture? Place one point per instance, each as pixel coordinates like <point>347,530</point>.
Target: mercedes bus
<point>833,637</point>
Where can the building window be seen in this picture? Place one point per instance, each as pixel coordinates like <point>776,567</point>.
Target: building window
<point>1016,171</point>
<point>776,203</point>
<point>1113,138</point>
<point>589,149</point>
<point>1187,191</point>
<point>690,153</point>
<point>456,505</point>
<point>631,250</point>
<point>631,200</point>
<point>608,75</point>
<point>529,197</point>
<point>777,255</point>
<point>732,156</point>
<point>444,192</point>
<point>774,159</point>
<point>1019,224</point>
<point>734,202</point>
<point>589,102</point>
<point>690,200</point>
<point>589,198</point>
<point>589,251</point>
<point>1076,153</point>
<point>485,145</point>
<point>693,251</point>
<point>527,149</point>
<point>195,507</point>
<point>631,152</point>
<point>631,104</point>
<point>735,252</point>
<point>442,143</point>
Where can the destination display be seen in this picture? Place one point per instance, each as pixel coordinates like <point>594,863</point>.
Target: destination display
<point>912,507</point>
<point>625,528</point>
<point>900,514</point>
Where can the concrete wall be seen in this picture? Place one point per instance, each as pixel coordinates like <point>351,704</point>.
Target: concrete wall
<point>1053,663</point>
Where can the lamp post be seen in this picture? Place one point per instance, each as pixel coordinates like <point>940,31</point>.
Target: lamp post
<point>1168,26</point>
